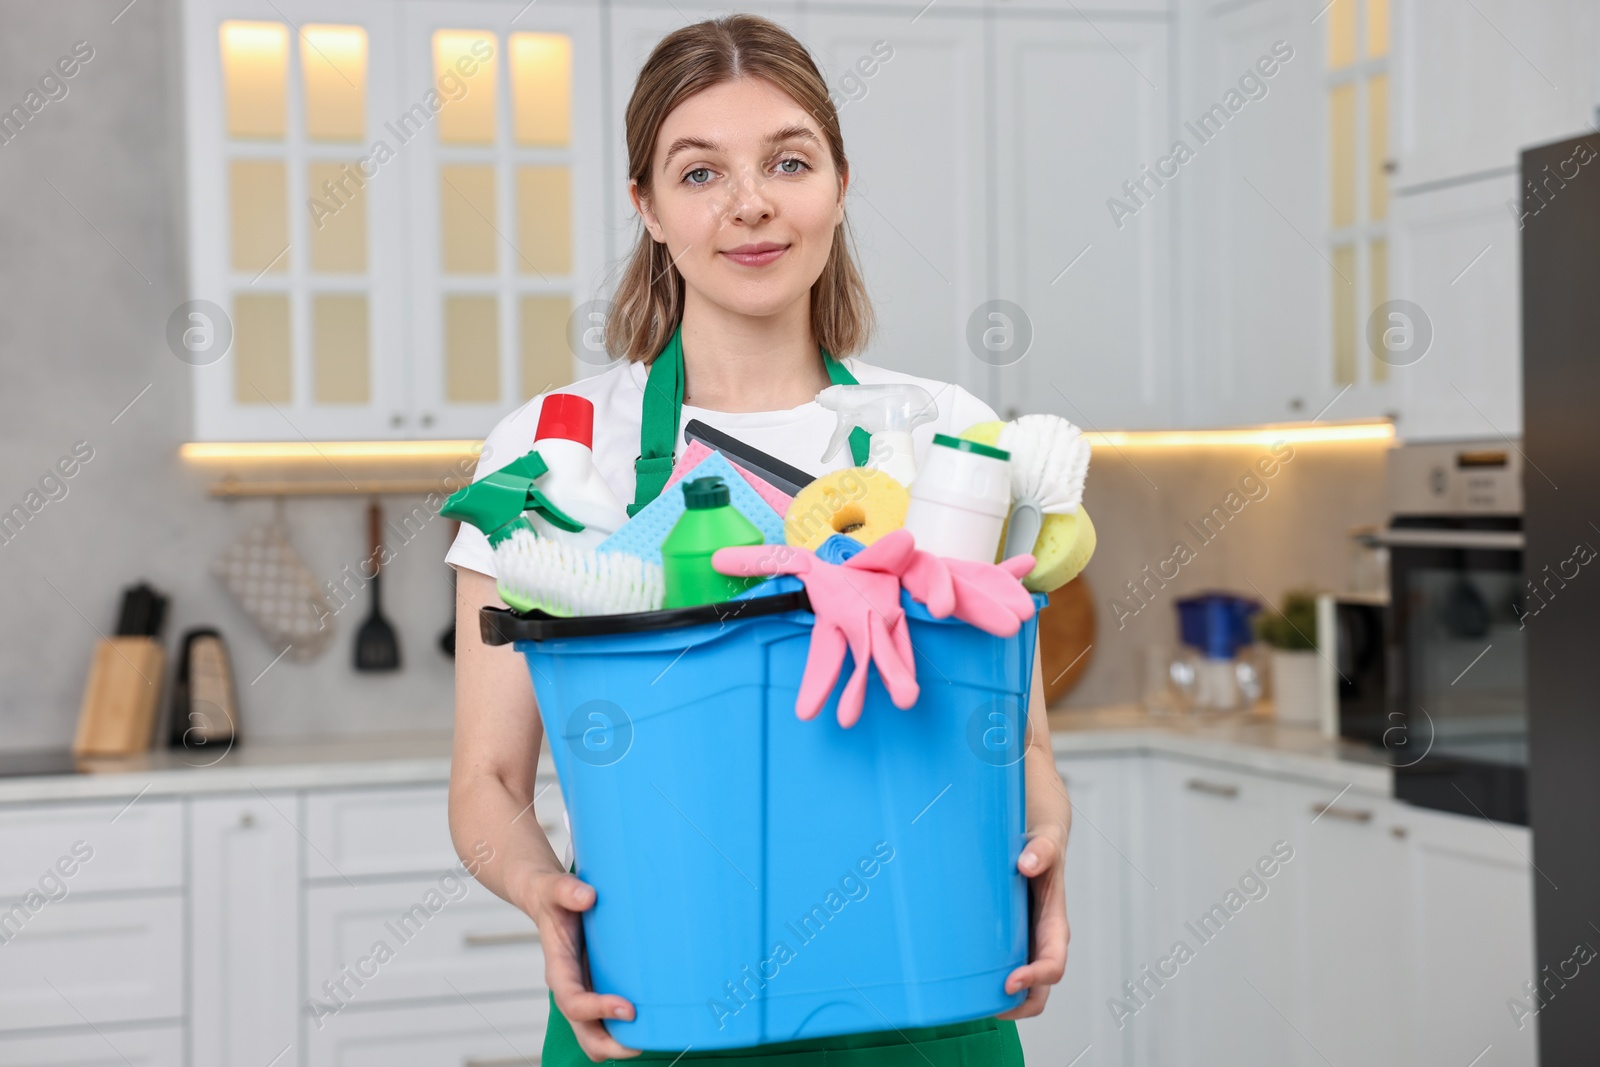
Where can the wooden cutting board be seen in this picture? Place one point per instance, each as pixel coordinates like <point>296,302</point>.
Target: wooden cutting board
<point>1066,637</point>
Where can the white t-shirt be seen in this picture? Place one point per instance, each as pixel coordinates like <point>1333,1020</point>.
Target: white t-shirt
<point>797,436</point>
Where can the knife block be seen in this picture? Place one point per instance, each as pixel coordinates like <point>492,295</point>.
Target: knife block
<point>119,702</point>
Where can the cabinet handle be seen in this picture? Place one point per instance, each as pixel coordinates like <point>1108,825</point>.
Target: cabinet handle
<point>397,419</point>
<point>1348,814</point>
<point>509,1061</point>
<point>513,937</point>
<point>1213,789</point>
<point>1398,831</point>
<point>427,419</point>
<point>246,820</point>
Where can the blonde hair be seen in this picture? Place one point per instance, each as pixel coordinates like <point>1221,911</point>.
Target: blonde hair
<point>648,303</point>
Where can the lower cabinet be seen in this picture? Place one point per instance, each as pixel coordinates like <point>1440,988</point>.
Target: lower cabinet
<point>1098,882</point>
<point>480,1032</point>
<point>106,1046</point>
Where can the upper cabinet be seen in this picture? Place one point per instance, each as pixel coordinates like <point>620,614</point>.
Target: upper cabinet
<point>1079,322</point>
<point>1477,83</point>
<point>394,210</point>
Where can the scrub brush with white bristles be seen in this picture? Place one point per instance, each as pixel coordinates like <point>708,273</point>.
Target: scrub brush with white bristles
<point>549,575</point>
<point>1049,462</point>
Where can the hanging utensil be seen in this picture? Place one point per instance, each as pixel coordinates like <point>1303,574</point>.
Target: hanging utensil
<point>447,639</point>
<point>377,645</point>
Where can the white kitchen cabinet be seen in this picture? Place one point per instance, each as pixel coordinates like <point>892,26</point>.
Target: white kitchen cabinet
<point>1354,856</point>
<point>94,847</point>
<point>1234,1000</point>
<point>95,961</point>
<point>1253,296</point>
<point>1457,254</point>
<point>1477,83</point>
<point>244,899</point>
<point>109,1047</point>
<point>468,1031</point>
<point>1078,109</point>
<point>911,100</point>
<point>1097,889</point>
<point>321,179</point>
<point>1471,905</point>
<point>394,830</point>
<point>440,936</point>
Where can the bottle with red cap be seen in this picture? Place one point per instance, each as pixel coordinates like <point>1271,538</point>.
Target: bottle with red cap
<point>564,439</point>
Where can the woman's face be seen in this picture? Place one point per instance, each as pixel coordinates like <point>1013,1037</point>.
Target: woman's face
<point>745,196</point>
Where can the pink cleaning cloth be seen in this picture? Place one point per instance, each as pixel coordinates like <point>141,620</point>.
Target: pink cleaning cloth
<point>774,497</point>
<point>857,607</point>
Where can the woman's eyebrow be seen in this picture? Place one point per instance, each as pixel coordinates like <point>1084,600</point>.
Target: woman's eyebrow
<point>787,133</point>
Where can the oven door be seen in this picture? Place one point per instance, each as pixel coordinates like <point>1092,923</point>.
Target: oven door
<point>1458,694</point>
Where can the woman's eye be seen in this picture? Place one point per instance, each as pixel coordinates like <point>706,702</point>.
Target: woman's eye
<point>698,170</point>
<point>794,159</point>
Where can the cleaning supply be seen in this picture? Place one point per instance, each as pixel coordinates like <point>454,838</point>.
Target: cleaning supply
<point>1064,542</point>
<point>749,459</point>
<point>987,595</point>
<point>709,522</point>
<point>564,440</point>
<point>857,608</point>
<point>960,499</point>
<point>499,502</point>
<point>643,534</point>
<point>771,495</point>
<point>542,574</point>
<point>859,501</point>
<point>1049,462</point>
<point>887,412</point>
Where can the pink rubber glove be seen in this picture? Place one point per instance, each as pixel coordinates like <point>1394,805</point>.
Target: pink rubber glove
<point>857,605</point>
<point>990,596</point>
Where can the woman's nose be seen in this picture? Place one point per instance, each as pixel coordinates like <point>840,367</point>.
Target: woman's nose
<point>748,200</point>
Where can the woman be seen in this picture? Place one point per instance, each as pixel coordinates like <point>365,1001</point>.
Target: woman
<point>744,283</point>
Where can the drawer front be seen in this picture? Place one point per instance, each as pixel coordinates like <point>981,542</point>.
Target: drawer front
<point>100,961</point>
<point>90,847</point>
<point>351,833</point>
<point>111,1047</point>
<point>406,830</point>
<point>439,937</point>
<point>483,1033</point>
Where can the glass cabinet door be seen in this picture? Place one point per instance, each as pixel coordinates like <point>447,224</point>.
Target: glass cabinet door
<point>505,192</point>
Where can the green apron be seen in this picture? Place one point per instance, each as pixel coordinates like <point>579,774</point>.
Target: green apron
<point>987,1042</point>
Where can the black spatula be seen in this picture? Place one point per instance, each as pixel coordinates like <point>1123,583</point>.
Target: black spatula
<point>377,645</point>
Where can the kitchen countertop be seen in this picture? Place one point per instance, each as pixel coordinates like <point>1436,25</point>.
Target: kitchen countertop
<point>1246,742</point>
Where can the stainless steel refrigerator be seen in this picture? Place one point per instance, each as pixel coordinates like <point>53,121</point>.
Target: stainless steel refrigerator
<point>1560,220</point>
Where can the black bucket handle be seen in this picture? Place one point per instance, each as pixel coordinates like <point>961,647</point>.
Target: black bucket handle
<point>502,626</point>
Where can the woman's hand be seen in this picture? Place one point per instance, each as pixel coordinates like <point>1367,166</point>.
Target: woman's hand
<point>555,902</point>
<point>1042,864</point>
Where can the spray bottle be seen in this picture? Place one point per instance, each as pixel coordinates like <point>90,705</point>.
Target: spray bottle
<point>889,412</point>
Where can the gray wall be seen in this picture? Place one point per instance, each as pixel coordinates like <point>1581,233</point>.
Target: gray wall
<point>86,299</point>
<point>81,334</point>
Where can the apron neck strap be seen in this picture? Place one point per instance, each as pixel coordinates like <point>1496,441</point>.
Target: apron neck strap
<point>663,406</point>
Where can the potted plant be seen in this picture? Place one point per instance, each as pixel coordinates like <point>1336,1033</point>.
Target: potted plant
<point>1291,633</point>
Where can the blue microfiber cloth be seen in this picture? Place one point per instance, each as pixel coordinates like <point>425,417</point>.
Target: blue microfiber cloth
<point>642,535</point>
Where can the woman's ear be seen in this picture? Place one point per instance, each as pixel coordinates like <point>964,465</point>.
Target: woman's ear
<point>641,204</point>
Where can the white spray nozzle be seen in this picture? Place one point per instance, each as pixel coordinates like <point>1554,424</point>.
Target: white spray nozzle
<point>888,411</point>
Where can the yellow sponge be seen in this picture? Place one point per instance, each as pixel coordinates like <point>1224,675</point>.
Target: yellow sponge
<point>858,501</point>
<point>1065,542</point>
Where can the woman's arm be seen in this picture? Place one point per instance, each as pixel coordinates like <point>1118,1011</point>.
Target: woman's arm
<point>1042,860</point>
<point>496,754</point>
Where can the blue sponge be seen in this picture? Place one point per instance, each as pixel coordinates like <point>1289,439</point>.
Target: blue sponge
<point>642,535</point>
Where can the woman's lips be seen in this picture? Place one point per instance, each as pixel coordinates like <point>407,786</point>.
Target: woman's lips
<point>756,259</point>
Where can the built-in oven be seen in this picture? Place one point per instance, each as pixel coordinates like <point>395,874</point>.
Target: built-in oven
<point>1455,712</point>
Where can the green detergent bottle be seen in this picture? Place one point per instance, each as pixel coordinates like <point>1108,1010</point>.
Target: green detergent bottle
<point>709,522</point>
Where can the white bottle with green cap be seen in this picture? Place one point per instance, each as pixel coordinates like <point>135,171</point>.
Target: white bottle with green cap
<point>960,499</point>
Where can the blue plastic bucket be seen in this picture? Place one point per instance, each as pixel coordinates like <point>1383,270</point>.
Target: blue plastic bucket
<point>762,879</point>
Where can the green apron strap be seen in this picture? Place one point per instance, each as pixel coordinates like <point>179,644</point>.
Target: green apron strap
<point>658,423</point>
<point>663,405</point>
